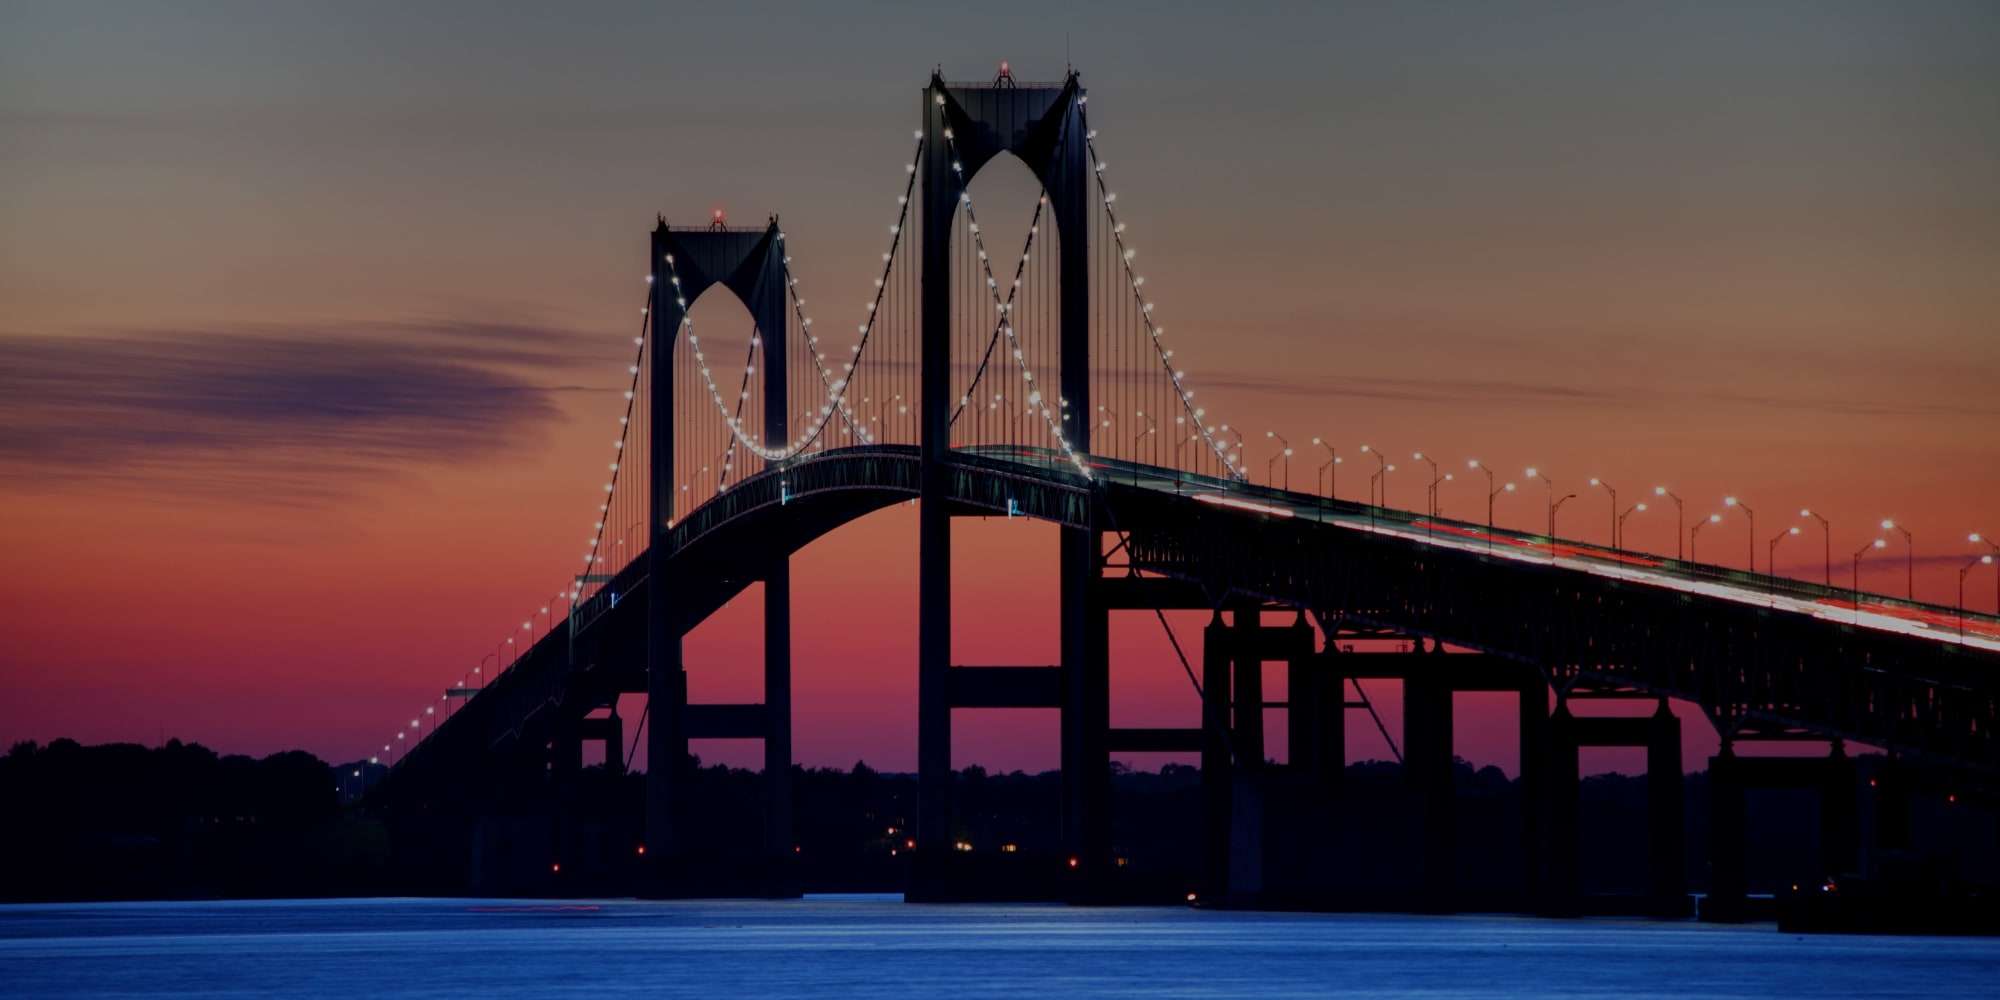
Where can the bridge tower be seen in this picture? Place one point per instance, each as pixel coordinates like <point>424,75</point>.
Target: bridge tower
<point>966,126</point>
<point>750,263</point>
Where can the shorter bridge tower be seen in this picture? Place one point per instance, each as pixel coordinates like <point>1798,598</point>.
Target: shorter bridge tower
<point>749,263</point>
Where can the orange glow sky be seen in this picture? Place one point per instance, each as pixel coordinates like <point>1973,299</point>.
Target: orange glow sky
<point>313,322</point>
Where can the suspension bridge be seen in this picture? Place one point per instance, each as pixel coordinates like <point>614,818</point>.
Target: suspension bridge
<point>986,380</point>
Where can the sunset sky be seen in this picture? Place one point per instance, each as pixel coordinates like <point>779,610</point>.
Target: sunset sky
<point>314,319</point>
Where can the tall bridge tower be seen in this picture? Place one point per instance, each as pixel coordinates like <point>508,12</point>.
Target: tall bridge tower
<point>965,127</point>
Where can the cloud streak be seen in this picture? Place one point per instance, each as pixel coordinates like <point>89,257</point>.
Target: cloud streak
<point>292,415</point>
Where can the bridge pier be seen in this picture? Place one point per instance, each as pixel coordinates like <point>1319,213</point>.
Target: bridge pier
<point>1287,835</point>
<point>1660,735</point>
<point>1731,777</point>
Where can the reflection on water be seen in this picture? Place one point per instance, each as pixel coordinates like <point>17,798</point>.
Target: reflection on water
<point>879,947</point>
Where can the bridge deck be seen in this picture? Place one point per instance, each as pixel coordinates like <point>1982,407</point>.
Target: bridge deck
<point>1750,648</point>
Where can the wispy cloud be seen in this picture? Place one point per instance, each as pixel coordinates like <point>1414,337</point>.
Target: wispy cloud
<point>291,415</point>
<point>1416,389</point>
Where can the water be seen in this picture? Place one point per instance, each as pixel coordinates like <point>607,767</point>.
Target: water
<point>879,947</point>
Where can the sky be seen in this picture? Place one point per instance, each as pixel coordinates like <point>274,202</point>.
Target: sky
<point>314,318</point>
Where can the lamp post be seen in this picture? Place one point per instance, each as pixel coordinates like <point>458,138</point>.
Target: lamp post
<point>1551,484</point>
<point>478,671</point>
<point>1995,546</point>
<point>1629,511</point>
<point>1981,561</point>
<point>1151,429</point>
<point>1855,584</point>
<point>1567,497</point>
<point>1332,465</point>
<point>1431,492</point>
<point>1594,481</point>
<point>1771,560</point>
<point>1491,492</point>
<point>1285,453</point>
<point>1695,532</point>
<point>1383,477</point>
<point>1680,520</point>
<point>1752,515</point>
<point>1232,461</point>
<point>1910,547</point>
<point>1826,535</point>
<point>1180,441</point>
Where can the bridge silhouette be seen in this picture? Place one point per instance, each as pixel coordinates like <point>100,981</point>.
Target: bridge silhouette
<point>981,381</point>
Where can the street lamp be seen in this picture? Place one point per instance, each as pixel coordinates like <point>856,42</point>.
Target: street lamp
<point>1995,546</point>
<point>1232,461</point>
<point>1984,560</point>
<point>1621,523</point>
<point>1551,484</point>
<point>478,670</point>
<point>1594,481</point>
<point>1151,428</point>
<point>1680,519</point>
<point>1432,490</point>
<point>1491,492</point>
<point>1826,534</point>
<point>1332,464</point>
<point>1285,453</point>
<point>1910,545</point>
<point>1733,502</point>
<point>1856,583</point>
<point>1695,532</point>
<point>1771,559</point>
<point>1567,497</point>
<point>1383,476</point>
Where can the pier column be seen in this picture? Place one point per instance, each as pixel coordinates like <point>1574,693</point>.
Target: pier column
<point>1892,807</point>
<point>1247,653</point>
<point>666,761</point>
<point>1839,815</point>
<point>779,842</point>
<point>1563,889</point>
<point>1667,822</point>
<point>1728,851</point>
<point>1317,716</point>
<point>1427,764</point>
<point>1217,773</point>
<point>1533,709</point>
<point>1086,708</point>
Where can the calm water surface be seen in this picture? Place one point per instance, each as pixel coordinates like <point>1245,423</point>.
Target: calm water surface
<point>880,947</point>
